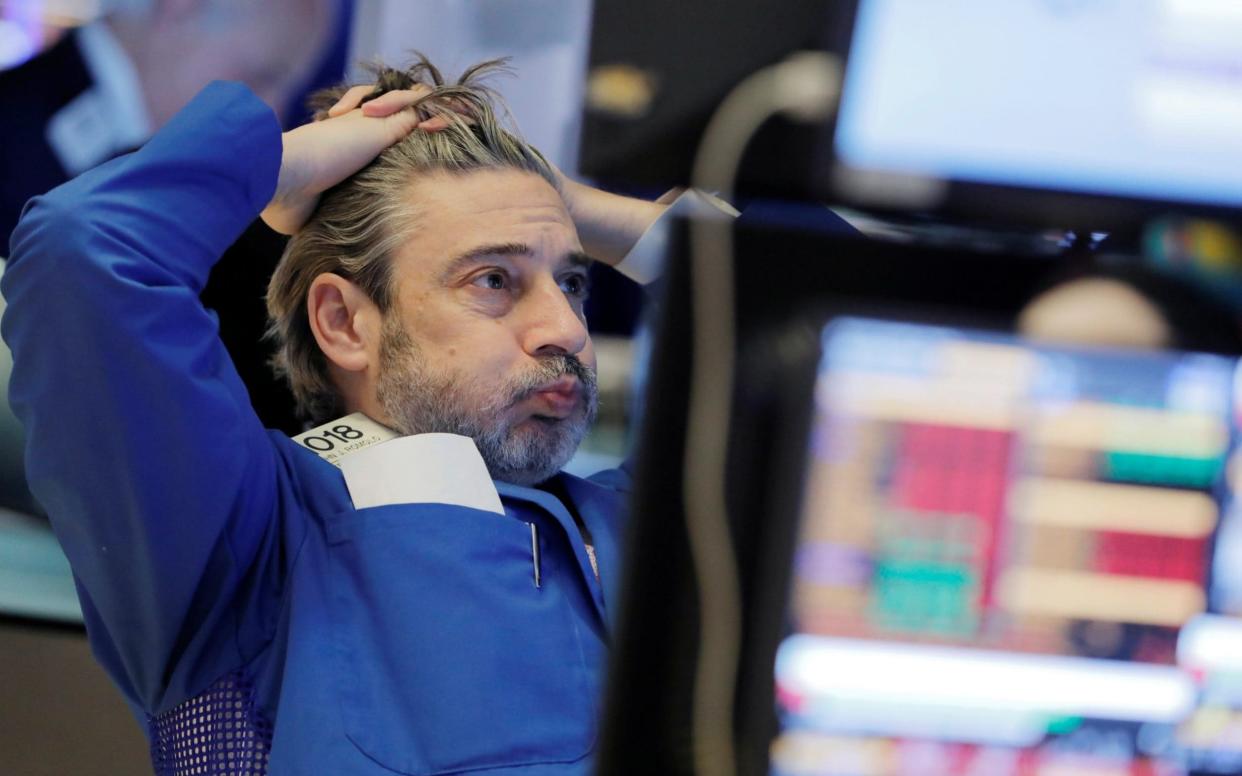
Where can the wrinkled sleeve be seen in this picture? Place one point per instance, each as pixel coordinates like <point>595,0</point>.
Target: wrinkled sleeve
<point>645,261</point>
<point>645,264</point>
<point>157,476</point>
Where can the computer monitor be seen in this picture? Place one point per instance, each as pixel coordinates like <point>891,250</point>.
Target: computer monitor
<point>784,273</point>
<point>1057,112</point>
<point>1013,559</point>
<point>827,322</point>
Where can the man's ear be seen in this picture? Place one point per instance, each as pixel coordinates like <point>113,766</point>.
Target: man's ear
<point>345,322</point>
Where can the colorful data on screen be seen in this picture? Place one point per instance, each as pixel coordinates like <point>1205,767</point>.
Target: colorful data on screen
<point>1014,560</point>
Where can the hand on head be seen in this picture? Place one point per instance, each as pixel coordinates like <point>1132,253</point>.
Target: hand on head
<point>389,103</point>
<point>344,139</point>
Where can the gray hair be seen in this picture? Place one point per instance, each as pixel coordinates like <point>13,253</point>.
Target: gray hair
<point>361,221</point>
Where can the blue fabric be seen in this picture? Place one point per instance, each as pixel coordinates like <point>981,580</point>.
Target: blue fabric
<point>406,638</point>
<point>216,733</point>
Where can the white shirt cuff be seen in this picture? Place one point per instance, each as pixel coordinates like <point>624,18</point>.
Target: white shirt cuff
<point>645,261</point>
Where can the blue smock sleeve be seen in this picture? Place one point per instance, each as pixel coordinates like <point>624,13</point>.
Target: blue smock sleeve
<point>156,474</point>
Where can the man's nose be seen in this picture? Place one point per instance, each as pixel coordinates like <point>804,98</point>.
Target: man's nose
<point>553,324</point>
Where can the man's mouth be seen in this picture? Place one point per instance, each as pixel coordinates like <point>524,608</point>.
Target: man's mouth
<point>559,398</point>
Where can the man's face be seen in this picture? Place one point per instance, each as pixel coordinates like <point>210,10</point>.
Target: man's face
<point>487,337</point>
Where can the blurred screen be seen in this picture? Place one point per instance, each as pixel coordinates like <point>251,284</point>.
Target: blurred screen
<point>1135,98</point>
<point>1014,559</point>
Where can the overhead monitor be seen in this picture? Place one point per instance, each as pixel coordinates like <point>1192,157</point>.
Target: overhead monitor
<point>1103,106</point>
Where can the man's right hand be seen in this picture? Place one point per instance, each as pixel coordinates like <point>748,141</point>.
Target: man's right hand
<point>608,224</point>
<point>319,155</point>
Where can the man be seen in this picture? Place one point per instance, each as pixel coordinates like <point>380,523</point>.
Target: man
<point>104,87</point>
<point>263,610</point>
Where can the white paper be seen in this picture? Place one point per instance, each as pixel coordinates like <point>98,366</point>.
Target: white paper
<point>421,469</point>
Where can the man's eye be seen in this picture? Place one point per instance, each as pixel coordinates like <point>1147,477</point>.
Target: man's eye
<point>493,281</point>
<point>575,285</point>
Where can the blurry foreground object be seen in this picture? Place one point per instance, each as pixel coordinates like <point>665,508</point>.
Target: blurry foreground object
<point>1012,558</point>
<point>1006,557</point>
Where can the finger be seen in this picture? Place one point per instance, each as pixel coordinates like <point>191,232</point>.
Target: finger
<point>442,120</point>
<point>350,99</point>
<point>434,124</point>
<point>400,124</point>
<point>391,102</point>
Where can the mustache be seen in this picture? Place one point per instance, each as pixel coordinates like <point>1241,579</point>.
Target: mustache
<point>552,368</point>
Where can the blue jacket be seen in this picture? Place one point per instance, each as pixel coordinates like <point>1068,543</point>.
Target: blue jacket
<point>245,608</point>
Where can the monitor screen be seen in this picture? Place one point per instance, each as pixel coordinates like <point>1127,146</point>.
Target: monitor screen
<point>1014,559</point>
<point>1125,98</point>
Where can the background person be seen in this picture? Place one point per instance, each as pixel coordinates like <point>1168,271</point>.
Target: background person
<point>1129,305</point>
<point>104,87</point>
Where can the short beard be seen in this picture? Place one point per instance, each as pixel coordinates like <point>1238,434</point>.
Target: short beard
<point>418,400</point>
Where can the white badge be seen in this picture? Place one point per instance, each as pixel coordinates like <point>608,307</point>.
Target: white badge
<point>338,438</point>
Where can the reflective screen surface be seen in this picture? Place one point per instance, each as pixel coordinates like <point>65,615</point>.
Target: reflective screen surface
<point>1014,560</point>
